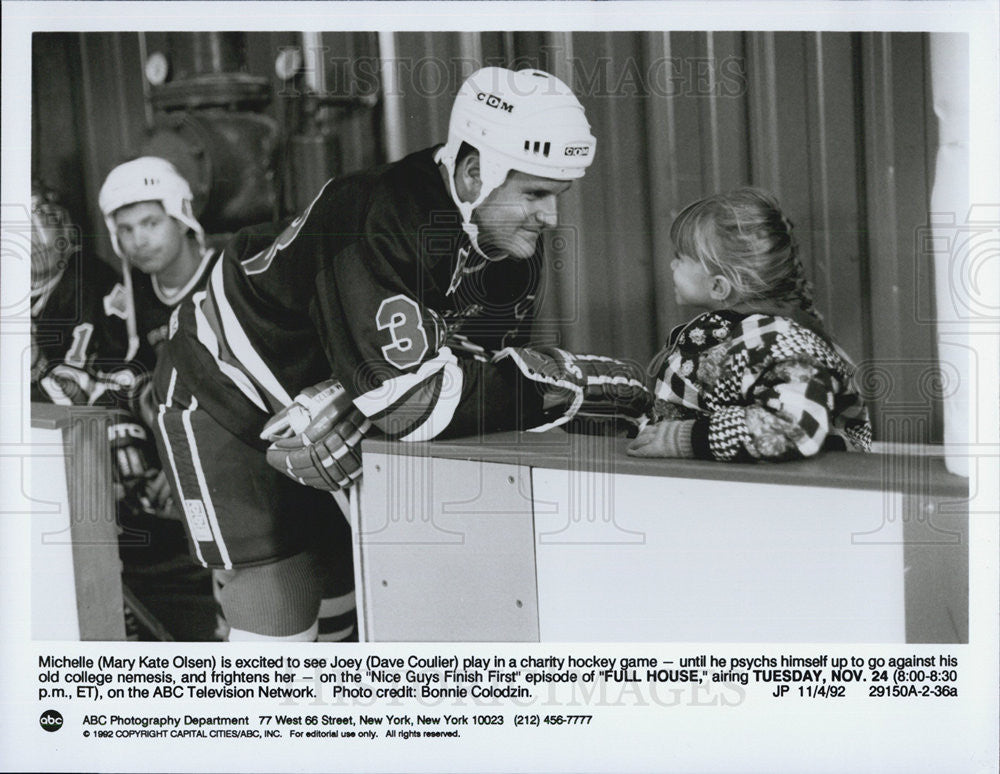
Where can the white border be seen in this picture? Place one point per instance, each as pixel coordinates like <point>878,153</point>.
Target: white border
<point>962,739</point>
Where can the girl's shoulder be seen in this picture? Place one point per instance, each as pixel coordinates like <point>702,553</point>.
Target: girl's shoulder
<point>763,332</point>
<point>760,324</point>
<point>720,326</point>
<point>757,323</point>
<point>779,336</point>
<point>707,329</point>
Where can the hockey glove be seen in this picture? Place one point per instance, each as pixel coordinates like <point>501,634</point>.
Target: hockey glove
<point>140,484</point>
<point>67,385</point>
<point>463,346</point>
<point>315,439</point>
<point>581,385</point>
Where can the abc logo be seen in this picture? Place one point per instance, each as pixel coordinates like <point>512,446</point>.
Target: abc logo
<point>51,720</point>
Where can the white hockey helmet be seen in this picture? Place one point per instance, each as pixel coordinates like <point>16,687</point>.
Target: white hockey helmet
<point>147,179</point>
<point>524,120</point>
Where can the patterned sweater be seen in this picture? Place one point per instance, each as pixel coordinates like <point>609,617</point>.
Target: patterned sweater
<point>758,387</point>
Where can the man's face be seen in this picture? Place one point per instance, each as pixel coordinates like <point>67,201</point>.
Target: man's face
<point>150,239</point>
<point>513,216</point>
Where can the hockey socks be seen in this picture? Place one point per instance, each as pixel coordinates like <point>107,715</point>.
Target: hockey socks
<point>277,601</point>
<point>337,619</point>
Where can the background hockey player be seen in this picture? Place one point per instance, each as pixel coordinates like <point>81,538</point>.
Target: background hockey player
<point>400,299</point>
<point>81,352</point>
<point>82,355</point>
<point>148,208</point>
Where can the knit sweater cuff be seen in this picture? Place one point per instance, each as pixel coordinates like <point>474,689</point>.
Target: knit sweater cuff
<point>682,439</point>
<point>670,438</point>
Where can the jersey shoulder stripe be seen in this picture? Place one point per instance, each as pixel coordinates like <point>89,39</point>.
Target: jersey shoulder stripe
<point>239,342</point>
<point>206,334</point>
<point>261,262</point>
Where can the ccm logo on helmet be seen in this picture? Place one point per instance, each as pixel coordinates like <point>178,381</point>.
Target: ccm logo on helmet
<point>493,101</point>
<point>576,150</point>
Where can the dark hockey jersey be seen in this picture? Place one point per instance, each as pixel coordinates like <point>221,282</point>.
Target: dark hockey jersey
<point>376,285</point>
<point>153,308</point>
<point>80,339</point>
<point>80,333</point>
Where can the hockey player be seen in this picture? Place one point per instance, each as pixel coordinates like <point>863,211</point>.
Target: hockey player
<point>78,346</point>
<point>81,354</point>
<point>97,335</point>
<point>80,357</point>
<point>148,210</point>
<point>399,299</point>
<point>147,207</point>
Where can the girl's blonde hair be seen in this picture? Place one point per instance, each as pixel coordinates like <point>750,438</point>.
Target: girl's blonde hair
<point>744,236</point>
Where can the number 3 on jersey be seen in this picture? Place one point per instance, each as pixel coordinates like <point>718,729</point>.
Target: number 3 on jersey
<point>401,317</point>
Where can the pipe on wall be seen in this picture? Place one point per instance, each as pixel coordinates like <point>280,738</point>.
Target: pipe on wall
<point>314,60</point>
<point>954,238</point>
<point>392,99</point>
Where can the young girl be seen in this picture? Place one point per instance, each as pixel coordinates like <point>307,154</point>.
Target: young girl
<point>754,377</point>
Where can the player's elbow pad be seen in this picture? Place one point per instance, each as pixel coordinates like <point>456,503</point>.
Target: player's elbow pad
<point>417,406</point>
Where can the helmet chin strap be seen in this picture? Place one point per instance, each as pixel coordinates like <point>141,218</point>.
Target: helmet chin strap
<point>490,177</point>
